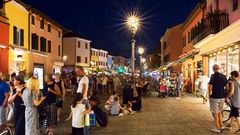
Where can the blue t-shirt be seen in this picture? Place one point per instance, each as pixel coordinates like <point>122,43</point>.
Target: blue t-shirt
<point>4,88</point>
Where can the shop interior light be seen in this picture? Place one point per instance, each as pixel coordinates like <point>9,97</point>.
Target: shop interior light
<point>211,55</point>
<point>236,46</point>
<point>224,50</point>
<point>218,52</point>
<point>229,49</point>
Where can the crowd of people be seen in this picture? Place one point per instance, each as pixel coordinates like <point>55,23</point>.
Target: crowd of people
<point>32,111</point>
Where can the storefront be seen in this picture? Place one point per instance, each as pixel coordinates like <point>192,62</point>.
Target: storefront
<point>227,59</point>
<point>222,49</point>
<point>18,60</point>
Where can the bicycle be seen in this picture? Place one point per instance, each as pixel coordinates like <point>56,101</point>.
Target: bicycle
<point>226,111</point>
<point>7,131</point>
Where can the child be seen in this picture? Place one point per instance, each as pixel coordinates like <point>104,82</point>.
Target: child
<point>110,100</point>
<point>78,110</point>
<point>115,106</point>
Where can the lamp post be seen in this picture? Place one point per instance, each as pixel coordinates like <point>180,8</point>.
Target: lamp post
<point>133,23</point>
<point>141,51</point>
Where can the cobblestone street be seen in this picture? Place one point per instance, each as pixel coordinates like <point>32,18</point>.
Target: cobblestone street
<point>159,116</point>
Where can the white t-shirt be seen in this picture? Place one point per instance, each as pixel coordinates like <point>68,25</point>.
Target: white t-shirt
<point>85,81</point>
<point>77,116</point>
<point>204,82</point>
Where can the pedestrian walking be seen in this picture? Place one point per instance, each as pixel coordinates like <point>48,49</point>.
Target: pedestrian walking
<point>234,96</point>
<point>217,85</point>
<point>179,85</point>
<point>203,85</point>
<point>83,82</point>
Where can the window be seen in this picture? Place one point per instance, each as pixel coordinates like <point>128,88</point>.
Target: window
<point>34,41</point>
<point>49,27</point>
<point>59,34</point>
<point>164,45</point>
<point>18,36</point>
<point>33,20</point>
<point>184,40</point>
<point>86,60</point>
<point>79,44</point>
<point>43,44</point>
<point>78,59</point>
<point>189,36</point>
<point>59,50</point>
<point>42,23</point>
<point>86,45</point>
<point>49,46</point>
<point>234,5</point>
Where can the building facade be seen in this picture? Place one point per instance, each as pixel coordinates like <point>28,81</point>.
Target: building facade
<point>78,50</point>
<point>4,42</point>
<point>103,59</point>
<point>171,44</point>
<point>221,42</point>
<point>18,14</point>
<point>191,62</point>
<point>45,44</point>
<point>110,62</point>
<point>94,58</point>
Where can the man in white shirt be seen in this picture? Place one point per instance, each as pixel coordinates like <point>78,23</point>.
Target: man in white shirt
<point>203,86</point>
<point>83,82</point>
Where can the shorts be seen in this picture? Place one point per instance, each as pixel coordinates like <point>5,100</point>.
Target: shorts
<point>77,131</point>
<point>3,115</point>
<point>204,92</point>
<point>234,112</point>
<point>216,104</point>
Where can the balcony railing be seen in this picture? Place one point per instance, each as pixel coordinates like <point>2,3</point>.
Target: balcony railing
<point>214,23</point>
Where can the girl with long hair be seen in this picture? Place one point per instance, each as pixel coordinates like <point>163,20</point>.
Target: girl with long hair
<point>78,110</point>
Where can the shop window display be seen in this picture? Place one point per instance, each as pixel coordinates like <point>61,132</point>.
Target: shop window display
<point>233,60</point>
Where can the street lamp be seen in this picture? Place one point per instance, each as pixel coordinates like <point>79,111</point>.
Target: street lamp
<point>141,51</point>
<point>133,23</point>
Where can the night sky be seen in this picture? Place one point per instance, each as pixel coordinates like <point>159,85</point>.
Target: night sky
<point>102,21</point>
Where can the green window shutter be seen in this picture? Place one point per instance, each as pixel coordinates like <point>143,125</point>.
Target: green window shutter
<point>14,35</point>
<point>22,37</point>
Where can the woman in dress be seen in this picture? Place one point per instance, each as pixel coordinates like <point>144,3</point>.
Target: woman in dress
<point>60,99</point>
<point>51,90</point>
<point>19,107</point>
<point>32,98</point>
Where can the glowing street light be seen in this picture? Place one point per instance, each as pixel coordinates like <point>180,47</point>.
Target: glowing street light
<point>143,60</point>
<point>133,22</point>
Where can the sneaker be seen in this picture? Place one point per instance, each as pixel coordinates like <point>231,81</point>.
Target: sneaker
<point>223,127</point>
<point>237,132</point>
<point>228,126</point>
<point>215,130</point>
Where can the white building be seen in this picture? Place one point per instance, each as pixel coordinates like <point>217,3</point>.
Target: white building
<point>77,50</point>
<point>103,59</point>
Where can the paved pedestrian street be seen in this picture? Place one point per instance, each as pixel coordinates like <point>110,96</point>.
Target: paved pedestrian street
<point>159,116</point>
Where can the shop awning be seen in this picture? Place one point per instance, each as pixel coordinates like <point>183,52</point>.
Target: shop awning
<point>188,55</point>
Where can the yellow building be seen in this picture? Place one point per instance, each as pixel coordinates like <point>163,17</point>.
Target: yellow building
<point>94,58</point>
<point>18,36</point>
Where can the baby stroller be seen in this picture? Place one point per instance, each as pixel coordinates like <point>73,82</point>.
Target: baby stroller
<point>163,91</point>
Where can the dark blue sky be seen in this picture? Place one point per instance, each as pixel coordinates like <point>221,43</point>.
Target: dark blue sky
<point>102,20</point>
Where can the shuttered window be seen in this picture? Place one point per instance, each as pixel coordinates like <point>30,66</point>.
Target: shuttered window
<point>43,44</point>
<point>34,41</point>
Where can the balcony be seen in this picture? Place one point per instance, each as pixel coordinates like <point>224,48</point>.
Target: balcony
<point>212,24</point>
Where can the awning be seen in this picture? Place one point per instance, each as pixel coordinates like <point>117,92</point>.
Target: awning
<point>188,55</point>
